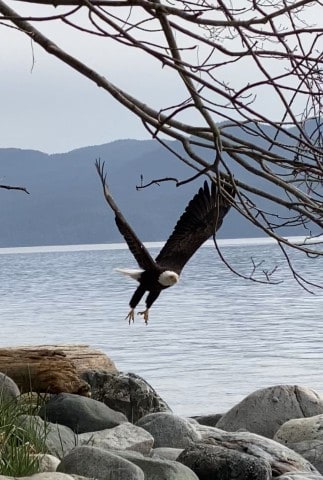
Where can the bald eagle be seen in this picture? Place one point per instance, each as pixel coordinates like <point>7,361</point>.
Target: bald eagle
<point>202,217</point>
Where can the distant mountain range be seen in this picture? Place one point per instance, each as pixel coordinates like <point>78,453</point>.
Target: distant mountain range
<point>66,203</point>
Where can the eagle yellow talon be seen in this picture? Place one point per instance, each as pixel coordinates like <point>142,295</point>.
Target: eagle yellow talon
<point>131,316</point>
<point>145,314</point>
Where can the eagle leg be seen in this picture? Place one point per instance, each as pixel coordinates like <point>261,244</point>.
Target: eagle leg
<point>131,316</point>
<point>135,299</point>
<point>151,297</point>
<point>145,314</point>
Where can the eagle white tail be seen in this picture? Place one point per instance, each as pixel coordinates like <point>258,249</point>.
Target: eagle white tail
<point>135,274</point>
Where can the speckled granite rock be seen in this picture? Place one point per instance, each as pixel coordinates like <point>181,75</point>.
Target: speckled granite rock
<point>220,463</point>
<point>125,392</point>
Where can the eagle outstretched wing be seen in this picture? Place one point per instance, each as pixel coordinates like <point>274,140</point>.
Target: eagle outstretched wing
<point>141,254</point>
<point>202,217</point>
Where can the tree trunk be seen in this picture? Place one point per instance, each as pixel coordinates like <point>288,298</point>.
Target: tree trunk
<point>52,368</point>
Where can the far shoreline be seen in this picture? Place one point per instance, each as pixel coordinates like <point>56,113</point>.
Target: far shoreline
<point>223,242</point>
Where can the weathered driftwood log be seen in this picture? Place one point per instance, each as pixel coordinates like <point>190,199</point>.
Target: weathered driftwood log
<point>52,368</point>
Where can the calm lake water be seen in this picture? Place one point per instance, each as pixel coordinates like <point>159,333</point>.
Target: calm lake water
<point>212,339</point>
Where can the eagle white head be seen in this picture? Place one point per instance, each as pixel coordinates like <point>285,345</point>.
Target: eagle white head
<point>168,278</point>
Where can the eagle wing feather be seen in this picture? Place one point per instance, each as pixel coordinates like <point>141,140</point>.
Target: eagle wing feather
<point>139,251</point>
<point>202,217</point>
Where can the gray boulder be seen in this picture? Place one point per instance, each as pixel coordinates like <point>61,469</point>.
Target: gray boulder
<point>167,453</point>
<point>79,413</point>
<point>312,450</point>
<point>209,420</point>
<point>300,429</point>
<point>280,458</point>
<point>125,392</point>
<point>47,462</point>
<point>169,430</point>
<point>265,410</point>
<point>220,463</point>
<point>58,439</point>
<point>159,469</point>
<point>9,390</point>
<point>100,464</point>
<point>43,476</point>
<point>123,437</point>
<point>305,436</point>
<point>300,476</point>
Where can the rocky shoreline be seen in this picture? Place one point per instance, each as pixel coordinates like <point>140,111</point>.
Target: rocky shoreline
<point>126,431</point>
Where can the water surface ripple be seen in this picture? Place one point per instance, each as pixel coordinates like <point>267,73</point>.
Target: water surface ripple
<point>211,340</point>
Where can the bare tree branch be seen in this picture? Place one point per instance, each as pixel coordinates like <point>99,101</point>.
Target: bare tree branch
<point>10,187</point>
<point>248,96</point>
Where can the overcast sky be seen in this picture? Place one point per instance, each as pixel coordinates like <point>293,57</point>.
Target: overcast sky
<point>47,106</point>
